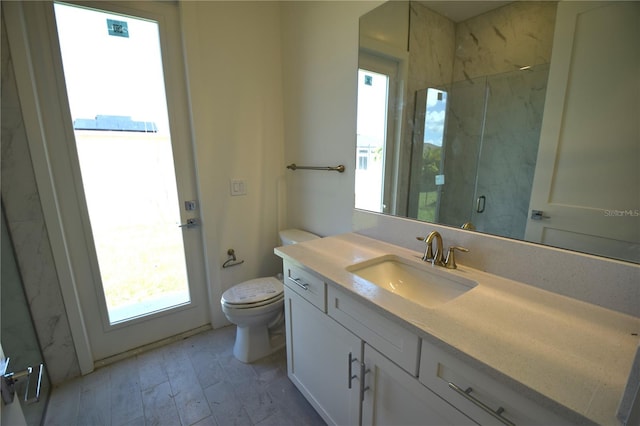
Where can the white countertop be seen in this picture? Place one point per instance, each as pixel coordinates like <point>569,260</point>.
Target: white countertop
<point>568,356</point>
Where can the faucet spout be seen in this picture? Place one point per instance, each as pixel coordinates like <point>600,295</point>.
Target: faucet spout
<point>429,255</point>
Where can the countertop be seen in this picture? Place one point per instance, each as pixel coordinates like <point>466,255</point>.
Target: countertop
<point>568,356</point>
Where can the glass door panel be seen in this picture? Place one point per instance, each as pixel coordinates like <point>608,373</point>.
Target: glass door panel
<point>115,85</point>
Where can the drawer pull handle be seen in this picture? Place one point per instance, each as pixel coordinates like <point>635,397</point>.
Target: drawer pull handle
<point>467,394</point>
<point>299,283</point>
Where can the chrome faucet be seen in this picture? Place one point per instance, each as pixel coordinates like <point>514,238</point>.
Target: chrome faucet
<point>429,255</point>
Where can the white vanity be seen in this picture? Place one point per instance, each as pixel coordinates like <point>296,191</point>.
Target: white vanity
<point>490,351</point>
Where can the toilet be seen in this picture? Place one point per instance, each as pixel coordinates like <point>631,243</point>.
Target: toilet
<point>256,307</point>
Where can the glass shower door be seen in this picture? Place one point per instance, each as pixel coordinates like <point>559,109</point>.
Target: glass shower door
<point>19,340</point>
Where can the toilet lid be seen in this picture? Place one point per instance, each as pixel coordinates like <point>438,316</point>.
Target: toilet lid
<point>253,291</point>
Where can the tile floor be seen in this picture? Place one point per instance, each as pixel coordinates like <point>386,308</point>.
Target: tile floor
<point>195,381</point>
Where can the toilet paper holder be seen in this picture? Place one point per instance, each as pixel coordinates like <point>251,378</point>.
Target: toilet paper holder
<point>232,260</point>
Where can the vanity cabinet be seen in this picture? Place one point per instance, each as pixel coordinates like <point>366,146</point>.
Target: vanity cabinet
<point>393,397</point>
<point>356,366</point>
<point>325,359</point>
<point>322,356</point>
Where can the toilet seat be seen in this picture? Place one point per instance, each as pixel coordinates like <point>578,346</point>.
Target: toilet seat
<point>253,293</point>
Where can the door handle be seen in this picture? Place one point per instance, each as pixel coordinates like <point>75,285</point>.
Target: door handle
<point>9,380</point>
<point>480,204</point>
<point>538,215</point>
<point>190,223</point>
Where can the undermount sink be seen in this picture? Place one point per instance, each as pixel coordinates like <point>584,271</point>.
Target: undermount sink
<point>417,281</point>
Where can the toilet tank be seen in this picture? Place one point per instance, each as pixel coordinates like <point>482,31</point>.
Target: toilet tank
<point>294,236</point>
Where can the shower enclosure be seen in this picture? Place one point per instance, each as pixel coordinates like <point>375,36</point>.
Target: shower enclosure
<point>475,149</point>
<point>19,341</point>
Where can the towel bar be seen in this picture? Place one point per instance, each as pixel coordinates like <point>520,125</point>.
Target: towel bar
<point>338,169</point>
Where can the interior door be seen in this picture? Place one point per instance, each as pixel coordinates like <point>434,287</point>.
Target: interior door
<point>591,123</point>
<point>124,175</point>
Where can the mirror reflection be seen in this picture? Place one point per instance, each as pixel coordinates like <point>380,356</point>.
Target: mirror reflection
<point>516,119</point>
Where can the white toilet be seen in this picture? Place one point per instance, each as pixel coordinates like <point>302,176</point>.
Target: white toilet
<point>257,308</point>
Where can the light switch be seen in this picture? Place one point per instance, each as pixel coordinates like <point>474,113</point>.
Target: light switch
<point>238,187</point>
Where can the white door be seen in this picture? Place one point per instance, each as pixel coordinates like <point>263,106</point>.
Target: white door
<point>122,166</point>
<point>590,138</point>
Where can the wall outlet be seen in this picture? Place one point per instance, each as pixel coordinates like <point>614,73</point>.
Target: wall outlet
<point>238,187</point>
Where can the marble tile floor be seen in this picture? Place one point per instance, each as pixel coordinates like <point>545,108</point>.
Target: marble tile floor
<point>195,381</point>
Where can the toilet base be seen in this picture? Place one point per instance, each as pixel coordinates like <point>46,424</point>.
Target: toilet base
<point>253,343</point>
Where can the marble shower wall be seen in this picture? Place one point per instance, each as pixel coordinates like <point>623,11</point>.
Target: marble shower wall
<point>29,234</point>
<point>505,39</point>
<point>495,115</point>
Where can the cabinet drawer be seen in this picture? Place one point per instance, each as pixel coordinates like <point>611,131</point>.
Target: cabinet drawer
<point>389,338</point>
<point>306,284</point>
<point>443,373</point>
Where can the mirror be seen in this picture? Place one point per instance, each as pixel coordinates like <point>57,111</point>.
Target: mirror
<point>517,119</point>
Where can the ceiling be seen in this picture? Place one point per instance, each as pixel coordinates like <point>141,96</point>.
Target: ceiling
<point>459,11</point>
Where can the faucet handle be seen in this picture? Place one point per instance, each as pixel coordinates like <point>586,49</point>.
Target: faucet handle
<point>450,263</point>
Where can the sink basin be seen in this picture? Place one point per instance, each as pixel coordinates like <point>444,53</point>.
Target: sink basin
<point>417,281</point>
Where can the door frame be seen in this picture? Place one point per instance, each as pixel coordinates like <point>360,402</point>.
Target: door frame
<point>391,67</point>
<point>46,116</point>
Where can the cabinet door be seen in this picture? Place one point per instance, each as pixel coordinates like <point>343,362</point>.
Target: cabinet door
<point>396,398</point>
<point>318,354</point>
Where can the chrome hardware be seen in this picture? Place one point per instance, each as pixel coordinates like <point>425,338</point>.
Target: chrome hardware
<point>482,201</point>
<point>9,380</point>
<point>190,223</point>
<point>497,414</point>
<point>299,283</point>
<point>232,259</point>
<point>351,375</point>
<point>339,169</point>
<point>190,205</point>
<point>538,215</point>
<point>363,371</point>
<point>429,256</point>
<point>450,263</point>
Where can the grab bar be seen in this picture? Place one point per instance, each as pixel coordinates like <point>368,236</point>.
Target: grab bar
<point>338,169</point>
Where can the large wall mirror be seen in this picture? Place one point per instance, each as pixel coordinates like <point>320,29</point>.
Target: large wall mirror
<point>518,119</point>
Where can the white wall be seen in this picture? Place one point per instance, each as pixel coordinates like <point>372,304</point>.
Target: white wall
<point>271,83</point>
<point>320,51</point>
<point>235,83</point>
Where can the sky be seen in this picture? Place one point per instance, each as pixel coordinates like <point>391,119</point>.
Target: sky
<point>435,116</point>
<point>111,75</point>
